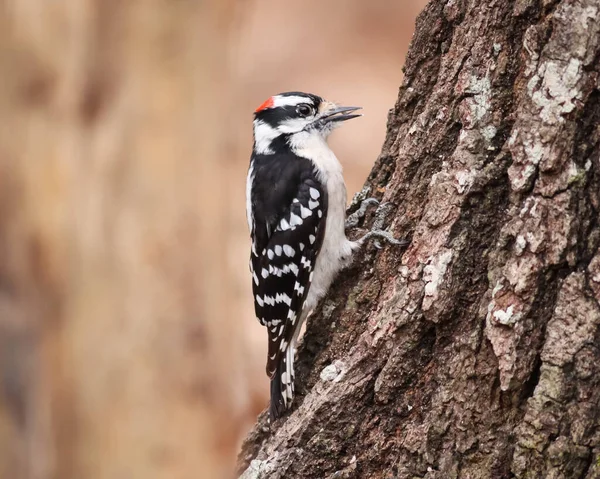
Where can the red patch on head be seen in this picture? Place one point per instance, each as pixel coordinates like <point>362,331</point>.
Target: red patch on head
<point>267,104</point>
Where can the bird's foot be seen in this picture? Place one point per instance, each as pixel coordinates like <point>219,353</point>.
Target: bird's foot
<point>377,232</point>
<point>353,219</point>
<point>384,235</point>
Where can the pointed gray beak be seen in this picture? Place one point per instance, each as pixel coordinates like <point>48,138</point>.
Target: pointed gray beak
<point>341,113</point>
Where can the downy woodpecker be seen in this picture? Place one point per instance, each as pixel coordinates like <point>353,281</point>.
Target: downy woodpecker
<point>295,204</point>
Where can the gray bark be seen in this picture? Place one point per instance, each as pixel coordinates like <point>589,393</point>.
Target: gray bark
<point>474,352</point>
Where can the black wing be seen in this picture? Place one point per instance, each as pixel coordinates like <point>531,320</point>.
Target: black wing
<point>286,240</point>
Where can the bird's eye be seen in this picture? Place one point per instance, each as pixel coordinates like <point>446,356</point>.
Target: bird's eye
<point>304,110</point>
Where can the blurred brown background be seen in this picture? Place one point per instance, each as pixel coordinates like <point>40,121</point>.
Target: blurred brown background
<point>128,347</point>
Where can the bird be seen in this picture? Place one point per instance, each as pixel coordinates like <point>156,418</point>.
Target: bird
<point>296,213</point>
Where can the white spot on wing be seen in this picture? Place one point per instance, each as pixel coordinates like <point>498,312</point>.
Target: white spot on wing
<point>288,250</point>
<point>270,254</point>
<point>265,273</point>
<point>314,193</point>
<point>283,298</point>
<point>259,301</point>
<point>305,212</point>
<point>284,225</point>
<point>306,263</point>
<point>312,239</point>
<point>278,250</point>
<point>269,300</point>
<point>294,268</point>
<point>295,220</point>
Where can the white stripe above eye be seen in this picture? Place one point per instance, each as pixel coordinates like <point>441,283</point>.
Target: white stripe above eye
<point>280,100</point>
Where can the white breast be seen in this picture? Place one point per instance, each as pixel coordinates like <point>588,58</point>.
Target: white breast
<point>336,247</point>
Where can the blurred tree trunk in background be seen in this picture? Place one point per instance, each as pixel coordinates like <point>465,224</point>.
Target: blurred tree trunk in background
<point>108,152</point>
<point>474,353</point>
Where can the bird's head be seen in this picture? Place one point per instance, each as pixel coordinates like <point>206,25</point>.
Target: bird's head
<point>296,117</point>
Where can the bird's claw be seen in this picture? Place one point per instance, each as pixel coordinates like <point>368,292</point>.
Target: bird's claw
<point>380,234</point>
<point>377,232</point>
<point>353,219</point>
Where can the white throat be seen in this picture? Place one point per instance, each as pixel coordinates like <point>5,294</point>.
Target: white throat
<point>313,146</point>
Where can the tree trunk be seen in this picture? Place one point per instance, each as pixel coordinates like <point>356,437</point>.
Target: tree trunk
<point>474,352</point>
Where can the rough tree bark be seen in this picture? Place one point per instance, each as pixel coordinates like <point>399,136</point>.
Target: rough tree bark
<point>474,352</point>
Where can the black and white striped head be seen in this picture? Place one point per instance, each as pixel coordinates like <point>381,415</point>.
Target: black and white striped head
<point>296,117</point>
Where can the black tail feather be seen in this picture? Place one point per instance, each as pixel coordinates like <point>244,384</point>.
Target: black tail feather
<point>282,385</point>
<point>277,406</point>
